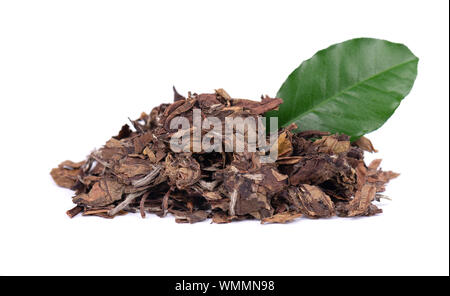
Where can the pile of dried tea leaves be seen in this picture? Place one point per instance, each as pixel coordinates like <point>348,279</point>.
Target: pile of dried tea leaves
<point>316,175</point>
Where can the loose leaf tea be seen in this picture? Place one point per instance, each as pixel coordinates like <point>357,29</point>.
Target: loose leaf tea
<point>317,169</point>
<point>350,88</point>
<point>316,174</point>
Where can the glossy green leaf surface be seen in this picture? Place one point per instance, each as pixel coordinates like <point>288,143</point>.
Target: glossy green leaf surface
<point>351,87</point>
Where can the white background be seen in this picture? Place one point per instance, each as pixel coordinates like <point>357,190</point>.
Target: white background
<point>72,72</point>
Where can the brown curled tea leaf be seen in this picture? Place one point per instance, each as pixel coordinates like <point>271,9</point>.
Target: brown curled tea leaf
<point>125,132</point>
<point>187,217</point>
<point>222,218</point>
<point>183,170</point>
<point>103,193</point>
<point>332,145</point>
<point>177,96</point>
<point>258,108</point>
<point>361,205</point>
<point>66,174</point>
<point>314,202</point>
<point>365,144</point>
<point>284,145</point>
<point>282,218</point>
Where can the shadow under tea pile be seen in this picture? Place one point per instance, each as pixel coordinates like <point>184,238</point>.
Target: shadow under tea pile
<point>316,175</point>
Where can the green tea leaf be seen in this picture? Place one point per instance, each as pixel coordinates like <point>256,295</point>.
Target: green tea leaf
<point>351,87</point>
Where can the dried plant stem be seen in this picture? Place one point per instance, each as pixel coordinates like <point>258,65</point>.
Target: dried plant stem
<point>142,203</point>
<point>130,198</point>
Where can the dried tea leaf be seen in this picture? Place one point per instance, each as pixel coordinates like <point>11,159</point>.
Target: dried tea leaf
<point>125,132</point>
<point>102,193</point>
<point>361,205</point>
<point>284,145</point>
<point>282,218</point>
<point>365,144</point>
<point>141,141</point>
<point>221,92</point>
<point>133,167</point>
<point>332,145</point>
<point>329,171</point>
<point>314,202</point>
<point>258,108</point>
<point>177,96</point>
<point>290,160</point>
<point>66,174</point>
<point>183,170</point>
<point>222,218</point>
<point>186,217</point>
